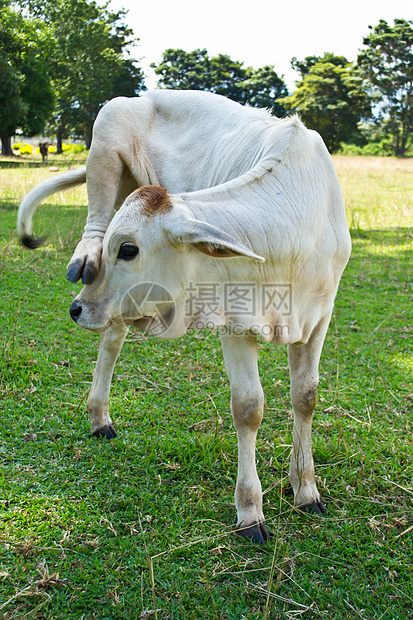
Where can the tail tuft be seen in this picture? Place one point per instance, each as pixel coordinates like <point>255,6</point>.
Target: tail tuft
<point>32,242</point>
<point>37,195</point>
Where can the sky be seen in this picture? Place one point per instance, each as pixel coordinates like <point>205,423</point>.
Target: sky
<point>256,32</point>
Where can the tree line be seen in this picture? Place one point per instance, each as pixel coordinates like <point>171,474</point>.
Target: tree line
<point>62,60</point>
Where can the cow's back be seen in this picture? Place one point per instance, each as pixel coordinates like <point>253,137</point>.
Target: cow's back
<point>199,140</point>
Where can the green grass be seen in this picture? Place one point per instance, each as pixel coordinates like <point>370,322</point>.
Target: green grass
<point>103,530</point>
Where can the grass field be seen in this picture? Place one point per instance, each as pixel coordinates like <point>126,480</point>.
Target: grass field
<point>142,526</point>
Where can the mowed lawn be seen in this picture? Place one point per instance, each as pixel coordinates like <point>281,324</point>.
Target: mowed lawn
<point>142,526</point>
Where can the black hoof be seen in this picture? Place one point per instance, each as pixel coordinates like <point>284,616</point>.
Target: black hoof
<point>89,274</point>
<point>257,533</point>
<point>75,270</point>
<point>106,431</point>
<point>315,508</point>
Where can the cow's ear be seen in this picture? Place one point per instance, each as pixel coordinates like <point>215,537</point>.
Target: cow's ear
<point>207,239</point>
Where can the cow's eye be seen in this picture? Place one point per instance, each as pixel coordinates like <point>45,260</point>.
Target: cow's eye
<point>128,251</point>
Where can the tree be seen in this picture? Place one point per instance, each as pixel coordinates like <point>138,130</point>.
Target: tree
<point>304,66</point>
<point>387,63</point>
<point>330,98</point>
<point>220,74</point>
<point>26,94</point>
<point>91,64</point>
<point>263,88</point>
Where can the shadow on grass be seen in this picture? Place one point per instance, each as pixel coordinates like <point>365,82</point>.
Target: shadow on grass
<point>383,236</point>
<point>19,162</point>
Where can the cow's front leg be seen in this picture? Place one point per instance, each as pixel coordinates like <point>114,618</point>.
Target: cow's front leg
<point>303,363</point>
<point>98,402</point>
<point>247,402</point>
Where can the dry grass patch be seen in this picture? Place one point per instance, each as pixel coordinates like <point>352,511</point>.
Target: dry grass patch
<point>378,191</point>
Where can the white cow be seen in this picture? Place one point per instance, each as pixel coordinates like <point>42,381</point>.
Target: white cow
<point>266,251</point>
<point>275,196</point>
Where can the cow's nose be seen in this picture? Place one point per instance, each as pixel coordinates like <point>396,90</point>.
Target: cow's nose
<point>75,310</point>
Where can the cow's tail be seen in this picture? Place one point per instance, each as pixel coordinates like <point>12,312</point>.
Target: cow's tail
<point>39,193</point>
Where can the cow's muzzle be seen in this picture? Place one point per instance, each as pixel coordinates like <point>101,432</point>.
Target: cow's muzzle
<point>89,315</point>
<point>75,310</point>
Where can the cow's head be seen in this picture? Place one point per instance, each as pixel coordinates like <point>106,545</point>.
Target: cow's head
<point>151,250</point>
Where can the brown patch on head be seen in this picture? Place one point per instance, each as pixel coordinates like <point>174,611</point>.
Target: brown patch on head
<point>154,200</point>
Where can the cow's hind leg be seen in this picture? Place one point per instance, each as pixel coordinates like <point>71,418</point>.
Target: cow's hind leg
<point>98,402</point>
<point>115,167</point>
<point>303,363</point>
<point>247,401</point>
<point>104,171</point>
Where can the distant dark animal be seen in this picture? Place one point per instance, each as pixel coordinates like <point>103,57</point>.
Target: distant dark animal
<point>44,150</point>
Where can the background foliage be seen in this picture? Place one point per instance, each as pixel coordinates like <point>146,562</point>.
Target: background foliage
<point>26,93</point>
<point>84,59</point>
<point>387,63</point>
<point>223,76</point>
<point>61,60</point>
<point>330,98</point>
